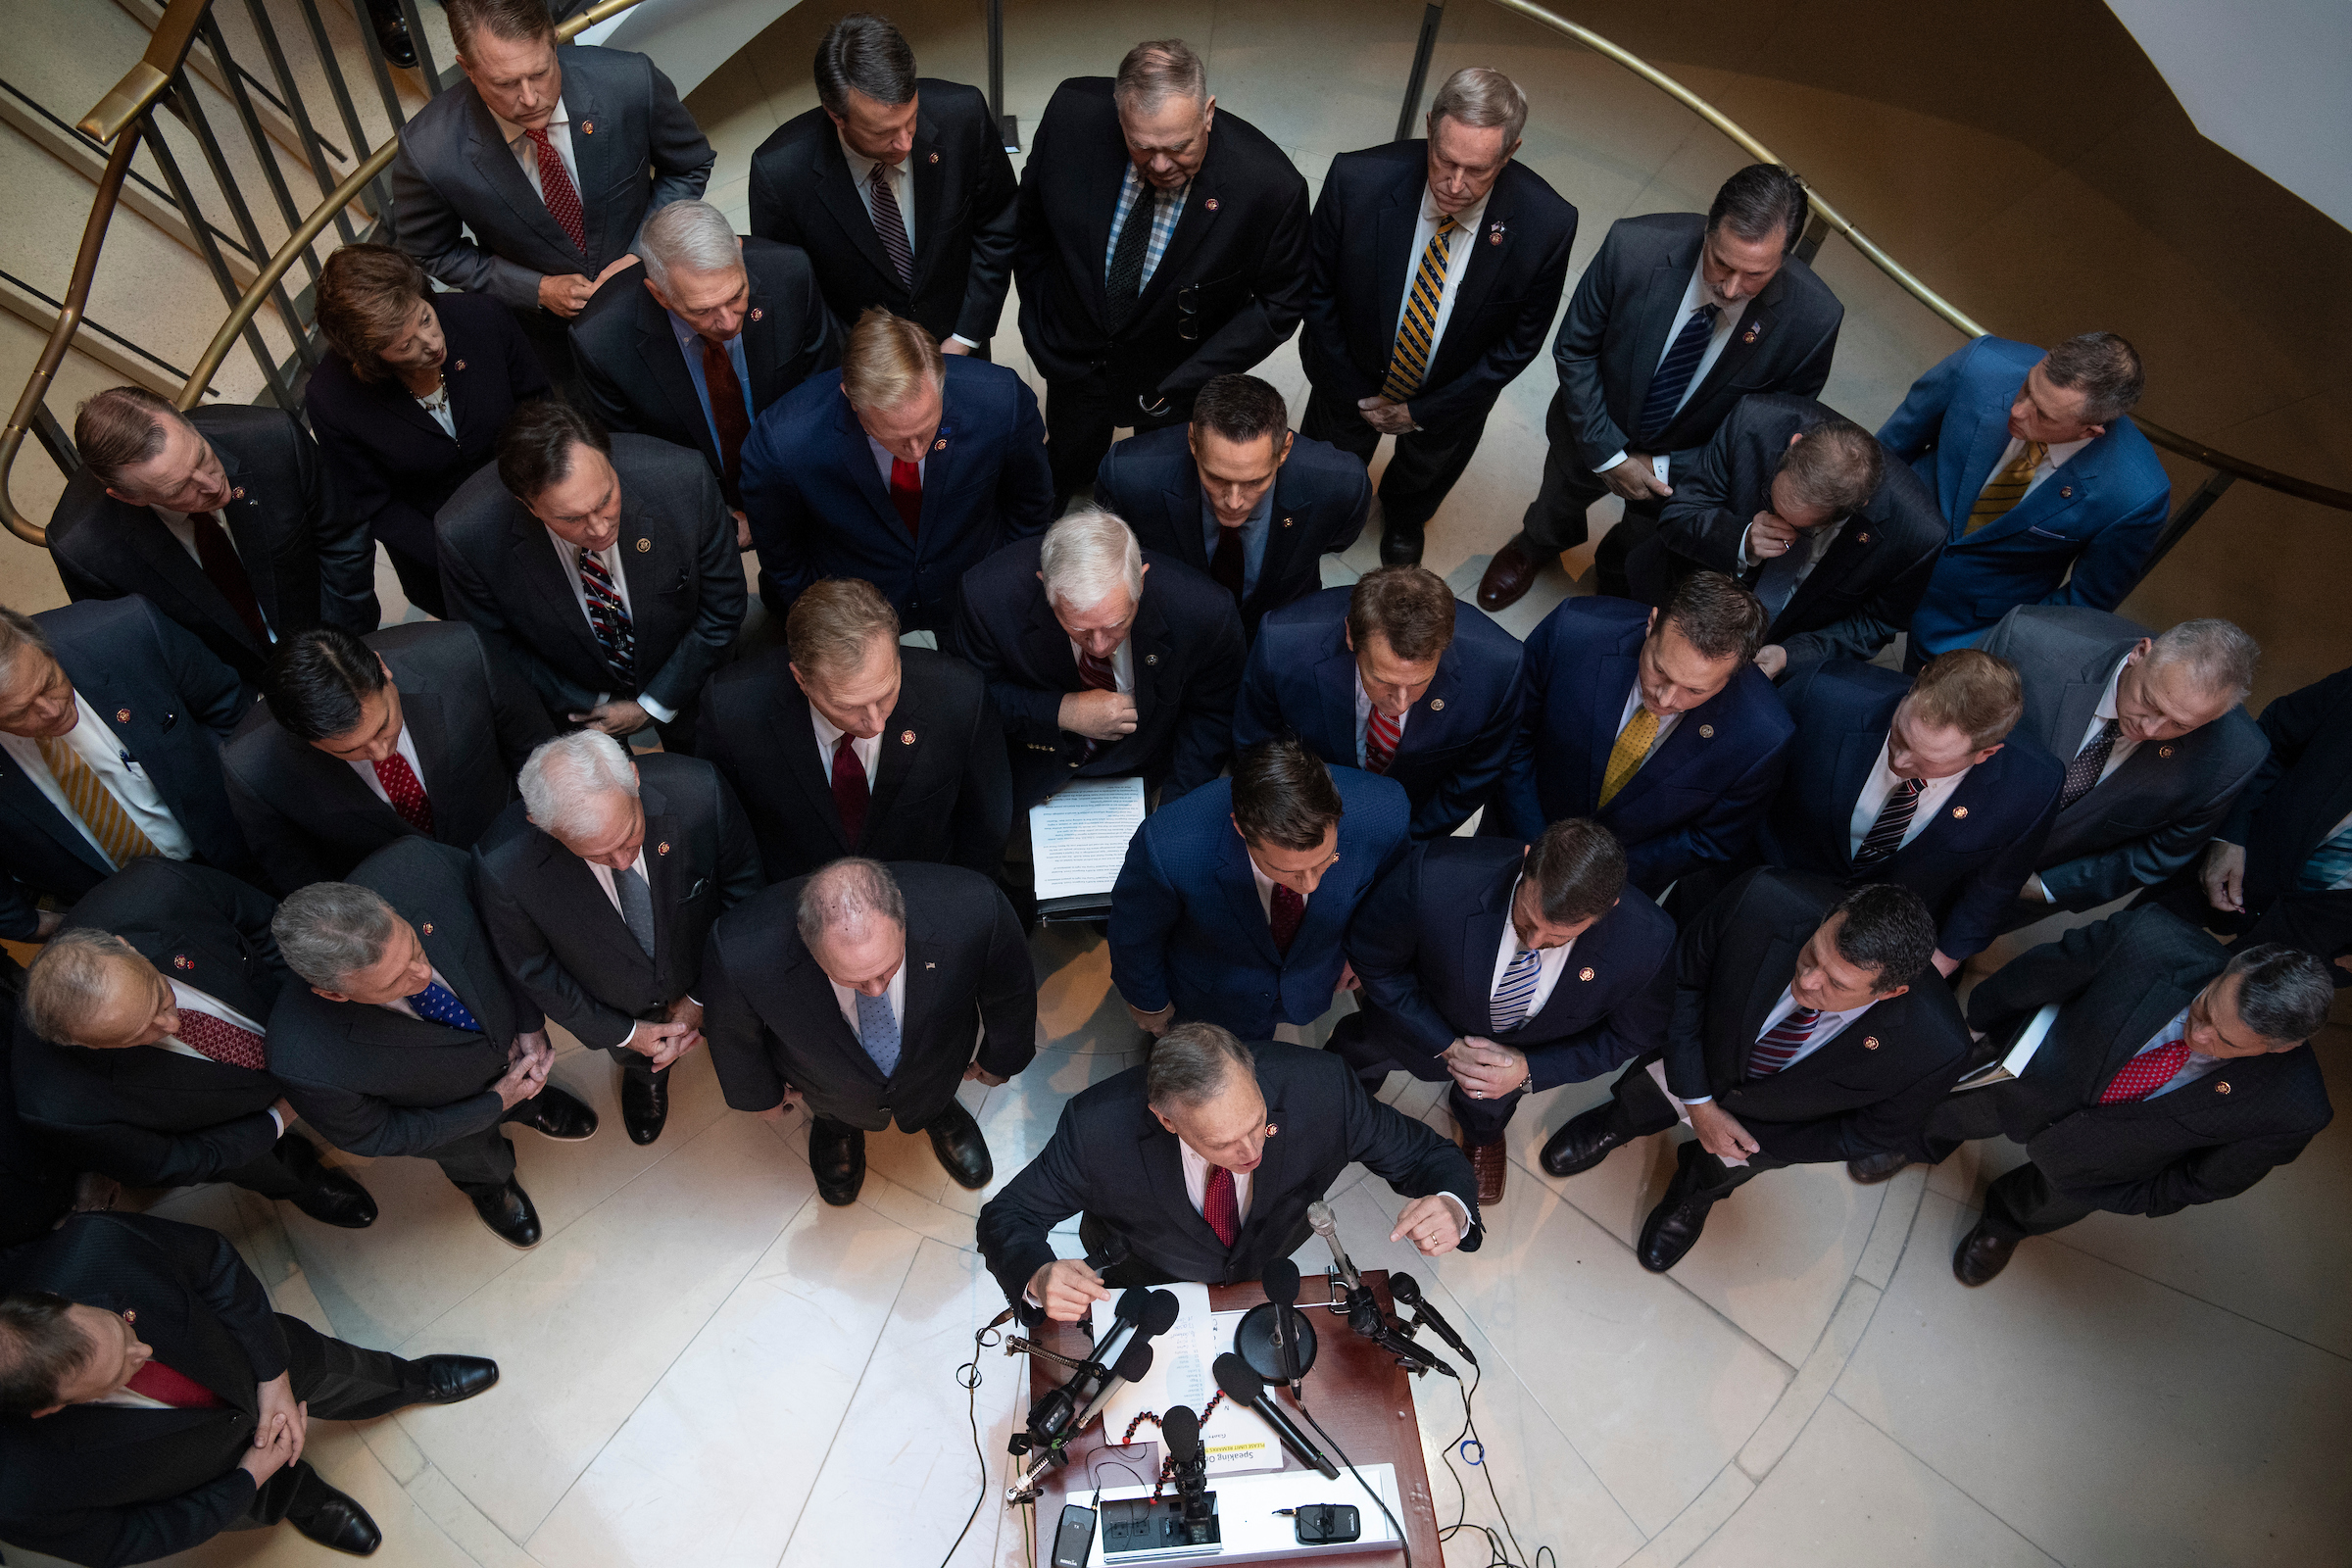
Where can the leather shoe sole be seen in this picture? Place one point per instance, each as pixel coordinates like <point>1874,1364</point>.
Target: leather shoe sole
<point>1981,1255</point>
<point>1872,1169</point>
<point>645,1104</point>
<point>1584,1142</point>
<point>837,1159</point>
<point>334,1520</point>
<point>555,1114</point>
<point>1671,1231</point>
<point>956,1139</point>
<point>509,1214</point>
<point>448,1379</point>
<point>1491,1163</point>
<point>1508,576</point>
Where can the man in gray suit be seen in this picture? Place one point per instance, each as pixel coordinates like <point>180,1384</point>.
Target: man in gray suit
<point>2155,743</point>
<point>545,156</point>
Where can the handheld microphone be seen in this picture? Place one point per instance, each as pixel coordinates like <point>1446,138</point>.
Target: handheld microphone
<point>1407,1290</point>
<point>1245,1387</point>
<point>1134,1365</point>
<point>1280,1282</point>
<point>1139,1311</point>
<point>1320,1220</point>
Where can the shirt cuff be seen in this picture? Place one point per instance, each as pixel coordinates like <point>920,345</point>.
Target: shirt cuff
<point>1700,1101</point>
<point>1745,560</point>
<point>1461,1211</point>
<point>662,712</point>
<point>959,338</point>
<point>622,1043</point>
<point>277,1120</point>
<point>1612,464</point>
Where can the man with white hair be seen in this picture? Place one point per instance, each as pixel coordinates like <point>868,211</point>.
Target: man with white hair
<point>599,887</point>
<point>858,993</point>
<point>1097,676</point>
<point>2154,736</point>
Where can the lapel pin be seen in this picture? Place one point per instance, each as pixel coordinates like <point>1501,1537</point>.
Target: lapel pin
<point>1960,811</point>
<point>1495,238</point>
<point>1706,732</point>
<point>459,365</point>
<point>1212,204</point>
<point>1150,658</point>
<point>939,445</point>
<point>1585,973</point>
<point>238,493</point>
<point>2161,751</point>
<point>1271,1129</point>
<point>429,928</point>
<point>1870,1042</point>
<point>660,848</point>
<point>2066,492</point>
<point>1438,706</point>
<point>905,737</point>
<point>1285,523</point>
<point>758,313</point>
<point>122,717</point>
<point>1749,336</point>
<point>587,127</point>
<point>935,158</point>
<point>180,961</point>
<point>1861,538</point>
<point>2222,1088</point>
<point>644,544</point>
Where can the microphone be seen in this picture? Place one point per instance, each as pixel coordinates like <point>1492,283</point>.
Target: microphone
<point>1245,1387</point>
<point>1134,1365</point>
<point>1407,1290</point>
<point>1280,1282</point>
<point>1139,1311</point>
<point>1320,1220</point>
<point>1180,1430</point>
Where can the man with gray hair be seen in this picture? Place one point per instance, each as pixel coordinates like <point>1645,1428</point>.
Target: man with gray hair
<point>1096,675</point>
<point>2155,737</point>
<point>1434,269</point>
<point>858,993</point>
<point>409,1037</point>
<point>599,887</point>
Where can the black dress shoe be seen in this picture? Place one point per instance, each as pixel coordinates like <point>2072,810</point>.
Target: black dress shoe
<point>1401,545</point>
<point>1584,1142</point>
<point>446,1379</point>
<point>837,1159</point>
<point>644,1104</point>
<point>332,1519</point>
<point>508,1214</point>
<point>392,31</point>
<point>554,1113</point>
<point>956,1139</point>
<point>1872,1169</point>
<point>1981,1255</point>
<point>336,1197</point>
<point>1671,1229</point>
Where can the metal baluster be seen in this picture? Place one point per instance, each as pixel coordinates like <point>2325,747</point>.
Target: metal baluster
<point>425,49</point>
<point>184,104</point>
<point>377,65</point>
<point>380,198</point>
<point>2177,528</point>
<point>313,144</point>
<point>1433,15</point>
<point>55,441</point>
<point>265,151</point>
<point>161,148</point>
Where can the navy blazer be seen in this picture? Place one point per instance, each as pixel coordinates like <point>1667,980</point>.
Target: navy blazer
<point>1458,737</point>
<point>1968,864</point>
<point>1321,496</point>
<point>1697,801</point>
<point>2100,514</point>
<point>1186,926</point>
<point>819,507</point>
<point>1425,943</point>
<point>2301,791</point>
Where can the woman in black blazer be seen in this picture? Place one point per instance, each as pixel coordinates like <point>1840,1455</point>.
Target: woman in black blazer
<point>408,406</point>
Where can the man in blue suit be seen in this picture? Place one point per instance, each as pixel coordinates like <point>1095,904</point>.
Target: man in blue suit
<point>1234,899</point>
<point>904,469</point>
<point>1394,676</point>
<point>1509,969</point>
<point>2037,471</point>
<point>1655,723</point>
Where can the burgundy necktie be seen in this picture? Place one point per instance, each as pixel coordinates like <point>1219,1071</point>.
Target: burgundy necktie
<point>2145,1073</point>
<point>406,793</point>
<point>1218,1206</point>
<point>727,415</point>
<point>177,1389</point>
<point>1284,914</point>
<point>556,190</point>
<point>221,1040</point>
<point>1781,1043</point>
<point>1381,735</point>
<point>906,492</point>
<point>1096,675</point>
<point>850,788</point>
<point>217,559</point>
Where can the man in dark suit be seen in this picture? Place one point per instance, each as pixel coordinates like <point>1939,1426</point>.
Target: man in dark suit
<point>1432,275</point>
<point>550,158</point>
<point>1506,970</point>
<point>599,888</point>
<point>1673,321</point>
<point>110,724</point>
<point>1398,677</point>
<point>1095,676</point>
<point>1236,495</point>
<point>604,566</point>
<point>1806,1028</point>
<point>1654,723</point>
<point>896,186</point>
<point>1806,509</point>
<point>2170,1077</point>
<point>2155,743</point>
<point>1233,900</point>
<point>1989,430</point>
<point>1158,244</point>
<point>409,1038</point>
<point>842,742</point>
<point>1200,1166</point>
<point>412,731</point>
<point>906,468</point>
<point>38,1185</point>
<point>155,1400</point>
<point>857,993</point>
<point>224,519</point>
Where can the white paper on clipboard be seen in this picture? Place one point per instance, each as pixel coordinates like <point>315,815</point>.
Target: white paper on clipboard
<point>1235,1439</point>
<point>2013,1064</point>
<point>1657,1073</point>
<point>1079,838</point>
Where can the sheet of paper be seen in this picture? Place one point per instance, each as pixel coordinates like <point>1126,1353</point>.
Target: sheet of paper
<point>1658,1071</point>
<point>1236,1440</point>
<point>1079,837</point>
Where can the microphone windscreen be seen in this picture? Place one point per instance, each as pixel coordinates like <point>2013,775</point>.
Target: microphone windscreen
<point>1405,1289</point>
<point>1132,1302</point>
<point>1180,1429</point>
<point>1135,1362</point>
<point>1236,1378</point>
<point>1158,1312</point>
<point>1281,1281</point>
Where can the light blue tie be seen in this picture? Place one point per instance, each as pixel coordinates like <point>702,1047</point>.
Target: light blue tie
<point>1509,1011</point>
<point>2328,864</point>
<point>878,1031</point>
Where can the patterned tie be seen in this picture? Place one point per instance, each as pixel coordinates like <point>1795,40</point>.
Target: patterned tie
<point>2327,865</point>
<point>1381,737</point>
<point>636,906</point>
<point>406,793</point>
<point>1779,1045</point>
<point>217,557</point>
<point>1506,1010</point>
<point>1417,330</point>
<point>556,190</point>
<point>1284,912</point>
<point>890,227</point>
<point>2005,489</point>
<point>851,790</point>
<point>1218,1205</point>
<point>1126,278</point>
<point>221,1040</point>
<point>1226,565</point>
<point>878,1031</point>
<point>1885,835</point>
<point>1096,675</point>
<point>907,493</point>
<point>1626,757</point>
<point>177,1389</point>
<point>2082,773</point>
<point>1673,377</point>
<point>730,419</point>
<point>609,619</point>
<point>437,1003</point>
<point>2145,1073</point>
<point>120,839</point>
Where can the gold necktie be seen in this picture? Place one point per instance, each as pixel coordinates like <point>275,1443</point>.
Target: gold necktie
<point>109,823</point>
<point>1625,758</point>
<point>2007,488</point>
<point>1416,332</point>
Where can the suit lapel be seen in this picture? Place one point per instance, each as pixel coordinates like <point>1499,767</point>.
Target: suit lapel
<point>23,797</point>
<point>901,752</point>
<point>1269,1180</point>
<point>865,475</point>
<point>1749,337</point>
<point>837,189</point>
<point>796,733</point>
<point>1857,755</point>
<point>1335,676</point>
<point>422,715</point>
<point>665,867</point>
<point>1192,228</point>
<point>1164,1167</point>
<point>1393,247</point>
<point>1986,443</point>
<point>1848,556</point>
<point>1660,321</point>
<point>1482,941</point>
<point>929,183</point>
<point>1240,899</point>
<point>939,467</point>
<point>1606,697</point>
<point>658,346</point>
<point>1483,265</point>
<point>538,565</point>
<point>250,529</point>
<point>2077,704</point>
<point>1184,523</point>
<point>1765,984</point>
<point>1427,719</point>
<point>495,161</point>
<point>2066,488</point>
<point>598,160</point>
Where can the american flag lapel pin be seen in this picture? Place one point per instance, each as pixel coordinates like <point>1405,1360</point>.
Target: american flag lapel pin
<point>122,717</point>
<point>587,127</point>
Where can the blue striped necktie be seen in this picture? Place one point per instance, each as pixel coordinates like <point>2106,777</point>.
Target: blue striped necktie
<point>1509,1011</point>
<point>1675,371</point>
<point>2328,864</point>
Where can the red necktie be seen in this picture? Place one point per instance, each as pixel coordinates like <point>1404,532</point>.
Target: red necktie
<point>1218,1207</point>
<point>556,190</point>
<point>220,1040</point>
<point>1096,675</point>
<point>175,1389</point>
<point>1381,735</point>
<point>407,791</point>
<point>728,416</point>
<point>2145,1073</point>
<point>1284,914</point>
<point>851,791</point>
<point>218,561</point>
<point>906,492</point>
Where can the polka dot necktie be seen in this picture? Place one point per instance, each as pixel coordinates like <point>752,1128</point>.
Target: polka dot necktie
<point>556,190</point>
<point>437,1003</point>
<point>1628,755</point>
<point>406,791</point>
<point>2145,1073</point>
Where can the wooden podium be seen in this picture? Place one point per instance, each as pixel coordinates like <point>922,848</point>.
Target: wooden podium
<point>1359,1394</point>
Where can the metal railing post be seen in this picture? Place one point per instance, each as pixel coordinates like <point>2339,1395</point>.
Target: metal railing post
<point>183,194</point>
<point>996,77</point>
<point>311,143</point>
<point>2175,527</point>
<point>416,41</point>
<point>1433,15</point>
<point>265,153</point>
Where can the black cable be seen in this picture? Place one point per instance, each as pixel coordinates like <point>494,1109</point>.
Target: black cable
<point>1496,1558</point>
<point>1394,1522</point>
<point>1103,1458</point>
<point>983,1338</point>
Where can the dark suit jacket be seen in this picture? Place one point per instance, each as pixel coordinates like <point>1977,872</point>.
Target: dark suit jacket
<point>307,553</point>
<point>2301,791</point>
<point>2116,983</point>
<point>1321,496</point>
<point>1228,290</point>
<point>1186,926</point>
<point>376,1082</point>
<point>171,704</point>
<point>1424,943</point>
<point>769,1013</point>
<point>944,789</point>
<point>394,466</point>
<point>1362,261</point>
<point>1187,650</point>
<point>1111,1158</point>
<point>804,194</point>
<point>142,1114</point>
<point>821,507</point>
<point>637,379</point>
<point>1457,736</point>
<point>455,171</point>
<point>2153,815</point>
<point>473,723</point>
<point>565,943</point>
<point>113,1484</point>
<point>1860,592</point>
<point>2080,538</point>
<point>1868,1090</point>
<point>677,550</point>
<point>1968,864</point>
<point>36,1183</point>
<point>1695,802</point>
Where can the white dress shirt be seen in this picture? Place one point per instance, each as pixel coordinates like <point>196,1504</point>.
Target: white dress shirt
<point>400,1004</point>
<point>1873,800</point>
<point>1695,295</point>
<point>567,557</point>
<point>1265,885</point>
<point>527,152</point>
<point>847,1001</point>
<point>1122,666</point>
<point>1826,1028</point>
<point>1364,719</point>
<point>2051,462</point>
<point>1195,1183</point>
<point>1457,264</point>
<point>901,189</point>
<point>187,999</point>
<point>1633,705</point>
<point>2195,1068</point>
<point>2125,745</point>
<point>406,746</point>
<point>94,743</point>
<point>868,751</point>
<point>1549,962</point>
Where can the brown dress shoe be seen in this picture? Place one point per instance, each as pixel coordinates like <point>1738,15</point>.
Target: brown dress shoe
<point>1872,1169</point>
<point>1508,576</point>
<point>1489,1163</point>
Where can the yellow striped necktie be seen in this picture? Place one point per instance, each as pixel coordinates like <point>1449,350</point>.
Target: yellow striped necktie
<point>1416,332</point>
<point>2007,488</point>
<point>1626,757</point>
<point>109,823</point>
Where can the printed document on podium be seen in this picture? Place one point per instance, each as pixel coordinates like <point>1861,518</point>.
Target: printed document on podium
<point>1079,837</point>
<point>1235,1438</point>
